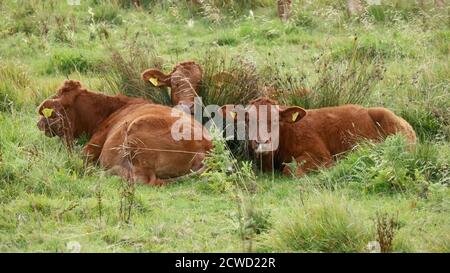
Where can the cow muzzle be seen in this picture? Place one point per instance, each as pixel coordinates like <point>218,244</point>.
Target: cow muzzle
<point>262,148</point>
<point>51,126</point>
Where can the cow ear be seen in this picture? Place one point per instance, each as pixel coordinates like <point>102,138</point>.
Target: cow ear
<point>156,77</point>
<point>292,114</point>
<point>230,111</point>
<point>49,108</point>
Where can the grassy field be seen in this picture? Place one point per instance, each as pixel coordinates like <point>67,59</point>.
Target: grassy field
<point>394,55</point>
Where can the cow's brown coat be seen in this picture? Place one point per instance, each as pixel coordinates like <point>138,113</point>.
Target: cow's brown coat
<point>319,135</point>
<point>129,136</point>
<point>184,82</point>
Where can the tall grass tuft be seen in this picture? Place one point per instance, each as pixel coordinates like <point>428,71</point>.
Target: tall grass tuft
<point>229,80</point>
<point>349,81</point>
<point>107,13</point>
<point>390,168</point>
<point>122,73</point>
<point>324,224</point>
<point>427,106</point>
<point>238,85</point>
<point>428,126</point>
<point>14,81</point>
<point>68,61</point>
<point>386,226</point>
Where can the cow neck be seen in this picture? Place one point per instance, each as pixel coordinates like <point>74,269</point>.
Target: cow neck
<point>271,161</point>
<point>286,139</point>
<point>104,106</point>
<point>267,161</point>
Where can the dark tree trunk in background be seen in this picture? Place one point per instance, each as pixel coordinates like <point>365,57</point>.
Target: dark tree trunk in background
<point>354,7</point>
<point>284,9</point>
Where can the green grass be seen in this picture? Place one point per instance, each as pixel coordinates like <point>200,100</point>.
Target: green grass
<point>326,224</point>
<point>50,199</point>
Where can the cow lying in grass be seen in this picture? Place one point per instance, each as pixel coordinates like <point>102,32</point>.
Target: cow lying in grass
<point>314,137</point>
<point>129,136</point>
<point>184,82</point>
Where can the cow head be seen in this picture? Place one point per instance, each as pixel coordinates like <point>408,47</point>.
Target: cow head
<point>184,82</point>
<point>264,121</point>
<point>57,114</point>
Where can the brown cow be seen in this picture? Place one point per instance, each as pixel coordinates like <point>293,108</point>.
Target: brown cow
<point>314,137</point>
<point>130,136</point>
<point>184,82</point>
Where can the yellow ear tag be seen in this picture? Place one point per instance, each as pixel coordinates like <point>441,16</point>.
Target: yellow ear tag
<point>295,116</point>
<point>233,114</point>
<point>47,112</point>
<point>154,81</point>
